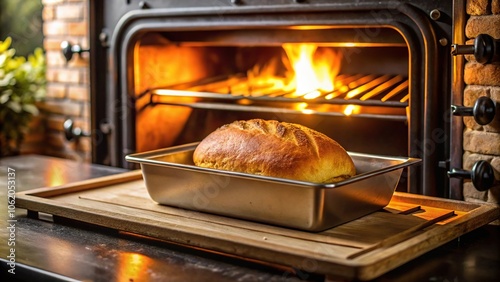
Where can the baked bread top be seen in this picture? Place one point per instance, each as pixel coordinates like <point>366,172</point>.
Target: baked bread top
<point>277,149</point>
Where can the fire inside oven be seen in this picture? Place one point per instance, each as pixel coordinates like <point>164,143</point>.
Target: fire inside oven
<point>367,76</point>
<point>187,84</point>
<point>375,76</point>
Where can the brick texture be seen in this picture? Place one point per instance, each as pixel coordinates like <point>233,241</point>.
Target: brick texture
<point>55,122</point>
<point>35,137</point>
<point>495,7</point>
<point>488,24</point>
<point>478,74</point>
<point>56,91</point>
<point>477,7</point>
<point>79,93</point>
<point>482,142</point>
<point>54,58</point>
<point>78,28</point>
<point>51,2</point>
<point>48,13</point>
<point>69,75</point>
<point>55,28</point>
<point>69,12</point>
<point>68,84</point>
<point>61,107</point>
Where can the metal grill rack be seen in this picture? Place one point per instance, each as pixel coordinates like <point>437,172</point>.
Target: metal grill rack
<point>374,96</point>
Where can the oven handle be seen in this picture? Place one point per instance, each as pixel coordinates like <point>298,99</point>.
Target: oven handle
<point>68,50</point>
<point>484,110</point>
<point>482,175</point>
<point>73,133</point>
<point>485,49</point>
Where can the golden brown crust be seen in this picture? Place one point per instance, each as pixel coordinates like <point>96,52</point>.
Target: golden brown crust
<point>276,149</point>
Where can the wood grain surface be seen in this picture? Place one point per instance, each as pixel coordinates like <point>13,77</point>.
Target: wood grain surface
<point>362,249</point>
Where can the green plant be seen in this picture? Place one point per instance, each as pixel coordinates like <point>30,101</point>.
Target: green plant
<point>22,85</point>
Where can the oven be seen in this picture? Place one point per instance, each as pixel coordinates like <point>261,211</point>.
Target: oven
<point>376,76</point>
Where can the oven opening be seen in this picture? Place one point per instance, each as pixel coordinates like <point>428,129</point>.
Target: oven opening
<point>188,83</point>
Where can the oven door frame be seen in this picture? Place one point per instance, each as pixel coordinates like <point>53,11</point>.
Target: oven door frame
<point>428,134</point>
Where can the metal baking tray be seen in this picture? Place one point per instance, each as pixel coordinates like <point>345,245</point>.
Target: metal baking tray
<point>172,179</point>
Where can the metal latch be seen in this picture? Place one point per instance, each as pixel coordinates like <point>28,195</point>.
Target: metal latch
<point>485,49</point>
<point>68,50</point>
<point>482,175</point>
<point>484,110</point>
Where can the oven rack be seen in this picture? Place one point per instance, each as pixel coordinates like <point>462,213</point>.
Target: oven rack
<point>358,95</point>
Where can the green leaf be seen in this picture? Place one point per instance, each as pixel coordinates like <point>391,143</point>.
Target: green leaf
<point>14,106</point>
<point>5,44</point>
<point>7,80</point>
<point>22,84</point>
<point>3,59</point>
<point>5,96</point>
<point>30,108</point>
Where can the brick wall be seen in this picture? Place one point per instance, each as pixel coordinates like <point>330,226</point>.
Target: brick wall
<point>482,142</point>
<point>68,88</point>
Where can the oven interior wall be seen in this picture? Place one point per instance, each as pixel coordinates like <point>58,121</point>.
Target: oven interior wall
<point>160,63</point>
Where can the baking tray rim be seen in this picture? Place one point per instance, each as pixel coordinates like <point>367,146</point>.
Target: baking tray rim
<point>147,158</point>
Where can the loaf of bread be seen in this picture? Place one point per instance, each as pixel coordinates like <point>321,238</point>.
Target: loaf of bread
<point>277,149</point>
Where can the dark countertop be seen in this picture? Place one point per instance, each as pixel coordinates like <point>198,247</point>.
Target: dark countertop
<point>84,252</point>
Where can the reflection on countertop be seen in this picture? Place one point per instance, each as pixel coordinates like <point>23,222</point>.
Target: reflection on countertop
<point>86,252</point>
<point>34,171</point>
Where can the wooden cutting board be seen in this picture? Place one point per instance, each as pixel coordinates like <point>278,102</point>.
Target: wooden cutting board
<point>362,249</point>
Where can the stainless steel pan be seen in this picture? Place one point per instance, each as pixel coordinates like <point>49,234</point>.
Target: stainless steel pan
<point>172,179</point>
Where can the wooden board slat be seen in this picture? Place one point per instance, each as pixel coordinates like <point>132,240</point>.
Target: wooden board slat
<point>361,249</point>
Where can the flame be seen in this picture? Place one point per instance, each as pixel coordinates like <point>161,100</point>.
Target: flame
<point>304,70</point>
<point>314,70</point>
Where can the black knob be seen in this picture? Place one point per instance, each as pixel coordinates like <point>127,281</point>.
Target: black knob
<point>484,110</point>
<point>71,132</point>
<point>486,49</point>
<point>482,175</point>
<point>68,50</point>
